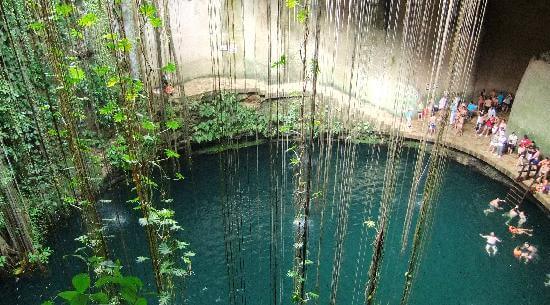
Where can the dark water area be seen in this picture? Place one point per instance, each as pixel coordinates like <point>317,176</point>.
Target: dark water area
<point>238,216</point>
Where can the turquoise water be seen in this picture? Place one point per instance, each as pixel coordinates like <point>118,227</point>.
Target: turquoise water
<point>227,216</point>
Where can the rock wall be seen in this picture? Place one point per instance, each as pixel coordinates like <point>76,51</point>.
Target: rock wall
<point>244,38</point>
<point>515,31</point>
<point>531,110</point>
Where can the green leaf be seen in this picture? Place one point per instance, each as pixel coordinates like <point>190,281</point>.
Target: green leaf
<point>155,22</point>
<point>313,295</point>
<point>179,176</point>
<point>101,70</point>
<point>36,26</point>
<point>87,20</point>
<point>104,280</point>
<point>81,282</point>
<point>164,249</point>
<point>68,295</point>
<point>141,301</point>
<point>112,81</point>
<point>63,10</point>
<point>173,124</point>
<point>76,75</point>
<point>280,62</point>
<point>141,259</point>
<point>302,15</point>
<point>148,10</point>
<point>291,3</point>
<point>181,244</point>
<point>80,299</point>
<point>110,36</point>
<point>108,109</point>
<point>47,303</point>
<point>169,68</point>
<point>100,297</point>
<point>148,125</point>
<point>119,117</point>
<point>124,45</point>
<point>131,282</point>
<point>171,154</point>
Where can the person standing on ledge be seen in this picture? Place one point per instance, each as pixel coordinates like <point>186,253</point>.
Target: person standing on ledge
<point>491,246</point>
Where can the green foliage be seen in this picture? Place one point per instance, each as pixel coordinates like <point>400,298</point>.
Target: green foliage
<point>63,10</point>
<point>41,255</point>
<point>225,117</point>
<point>36,26</point>
<point>303,15</point>
<point>175,258</point>
<point>173,124</point>
<point>156,22</point>
<point>291,3</point>
<point>76,75</point>
<point>107,289</point>
<point>280,62</point>
<point>169,68</point>
<point>171,154</point>
<point>88,20</point>
<point>3,261</point>
<point>149,11</point>
<point>124,45</point>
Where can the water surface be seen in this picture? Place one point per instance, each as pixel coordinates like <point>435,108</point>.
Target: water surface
<point>239,219</point>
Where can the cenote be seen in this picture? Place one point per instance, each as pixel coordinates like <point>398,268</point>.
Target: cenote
<point>230,203</point>
<point>305,152</point>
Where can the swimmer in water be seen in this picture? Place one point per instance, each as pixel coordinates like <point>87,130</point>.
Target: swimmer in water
<point>517,252</point>
<point>520,231</point>
<point>522,219</point>
<point>494,205</point>
<point>491,246</point>
<point>511,214</point>
<point>528,252</point>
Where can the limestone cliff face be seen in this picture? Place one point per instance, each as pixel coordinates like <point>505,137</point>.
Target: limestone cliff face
<point>362,49</point>
<point>531,110</point>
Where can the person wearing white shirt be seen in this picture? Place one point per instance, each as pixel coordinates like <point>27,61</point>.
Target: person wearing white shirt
<point>442,103</point>
<point>492,112</point>
<point>512,142</point>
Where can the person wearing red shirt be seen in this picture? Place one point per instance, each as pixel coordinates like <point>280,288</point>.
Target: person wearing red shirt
<point>523,144</point>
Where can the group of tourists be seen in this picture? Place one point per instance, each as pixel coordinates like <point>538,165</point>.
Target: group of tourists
<point>524,252</point>
<point>491,122</point>
<point>460,112</point>
<point>530,162</point>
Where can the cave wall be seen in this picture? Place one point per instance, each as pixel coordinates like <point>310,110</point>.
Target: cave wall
<point>243,38</point>
<point>531,110</point>
<point>515,31</point>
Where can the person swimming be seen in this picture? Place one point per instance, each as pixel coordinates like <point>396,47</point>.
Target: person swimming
<point>519,231</point>
<point>491,246</point>
<point>494,205</point>
<point>527,252</point>
<point>511,214</point>
<point>517,252</point>
<point>522,219</point>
